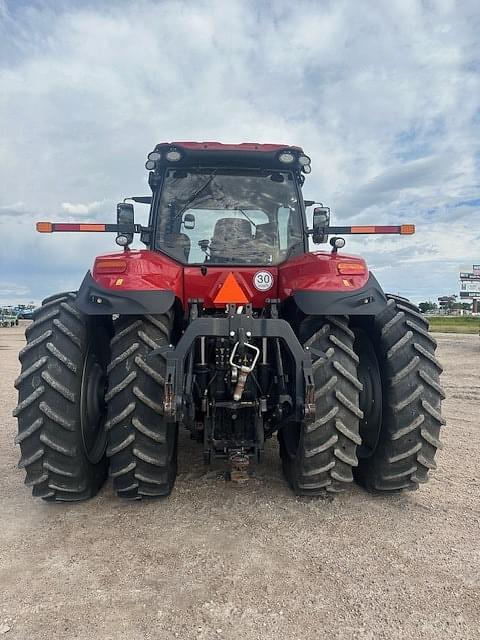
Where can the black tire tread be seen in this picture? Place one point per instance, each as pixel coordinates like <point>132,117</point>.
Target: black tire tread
<point>410,434</point>
<point>142,463</point>
<point>327,448</point>
<point>48,386</point>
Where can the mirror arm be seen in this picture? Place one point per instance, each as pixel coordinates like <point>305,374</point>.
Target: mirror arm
<point>139,229</point>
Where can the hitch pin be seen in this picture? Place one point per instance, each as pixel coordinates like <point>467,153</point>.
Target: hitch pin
<point>242,370</point>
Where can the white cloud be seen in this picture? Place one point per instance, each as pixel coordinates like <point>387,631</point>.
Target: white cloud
<point>91,208</point>
<point>383,96</point>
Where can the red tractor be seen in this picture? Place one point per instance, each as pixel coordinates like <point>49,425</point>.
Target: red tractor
<point>227,325</point>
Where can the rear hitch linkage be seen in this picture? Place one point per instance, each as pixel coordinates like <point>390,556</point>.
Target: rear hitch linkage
<point>178,392</point>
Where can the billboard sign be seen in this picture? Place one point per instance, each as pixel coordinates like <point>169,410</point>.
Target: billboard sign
<point>469,275</point>
<point>471,286</point>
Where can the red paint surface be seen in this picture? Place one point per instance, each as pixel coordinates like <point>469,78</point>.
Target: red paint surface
<point>207,286</point>
<point>146,270</point>
<point>318,271</point>
<point>149,270</point>
<point>219,146</point>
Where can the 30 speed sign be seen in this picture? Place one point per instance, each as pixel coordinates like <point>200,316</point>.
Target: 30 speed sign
<point>263,280</point>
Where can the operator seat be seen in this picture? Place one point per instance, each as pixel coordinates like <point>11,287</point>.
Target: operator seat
<point>231,238</point>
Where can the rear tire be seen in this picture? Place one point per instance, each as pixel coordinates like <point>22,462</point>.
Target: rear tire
<point>409,433</point>
<point>319,456</point>
<point>60,411</point>
<point>142,444</point>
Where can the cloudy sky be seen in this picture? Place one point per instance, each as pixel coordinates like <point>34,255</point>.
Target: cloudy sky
<point>384,96</point>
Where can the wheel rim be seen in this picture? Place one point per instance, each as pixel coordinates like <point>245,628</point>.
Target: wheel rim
<point>93,406</point>
<point>371,396</point>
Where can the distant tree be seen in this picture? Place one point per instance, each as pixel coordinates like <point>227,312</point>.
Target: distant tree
<point>462,305</point>
<point>427,306</point>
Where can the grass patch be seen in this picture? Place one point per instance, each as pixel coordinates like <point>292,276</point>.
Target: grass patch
<point>454,324</point>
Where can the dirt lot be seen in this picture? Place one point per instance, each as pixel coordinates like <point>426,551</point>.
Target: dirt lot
<point>218,560</point>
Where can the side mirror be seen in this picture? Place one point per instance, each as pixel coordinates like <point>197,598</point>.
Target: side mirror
<point>321,222</point>
<point>126,223</point>
<point>189,221</point>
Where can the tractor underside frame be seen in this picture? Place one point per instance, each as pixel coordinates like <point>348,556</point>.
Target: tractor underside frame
<point>239,330</point>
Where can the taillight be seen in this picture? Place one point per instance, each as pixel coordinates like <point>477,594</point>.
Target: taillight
<point>351,268</point>
<point>113,265</point>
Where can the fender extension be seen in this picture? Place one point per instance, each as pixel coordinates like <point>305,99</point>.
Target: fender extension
<point>95,300</point>
<point>369,300</point>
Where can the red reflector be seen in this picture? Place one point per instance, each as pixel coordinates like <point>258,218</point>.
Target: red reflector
<point>407,229</point>
<point>110,266</point>
<point>66,226</point>
<point>230,292</point>
<point>350,268</point>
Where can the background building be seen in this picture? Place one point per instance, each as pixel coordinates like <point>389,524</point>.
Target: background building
<point>470,287</point>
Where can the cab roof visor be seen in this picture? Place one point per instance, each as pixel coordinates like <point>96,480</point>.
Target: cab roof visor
<point>245,155</point>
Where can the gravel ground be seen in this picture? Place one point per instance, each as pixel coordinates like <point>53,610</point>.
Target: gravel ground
<point>218,560</point>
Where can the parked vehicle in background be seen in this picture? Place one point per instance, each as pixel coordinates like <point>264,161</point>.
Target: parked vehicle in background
<point>25,311</point>
<point>8,317</point>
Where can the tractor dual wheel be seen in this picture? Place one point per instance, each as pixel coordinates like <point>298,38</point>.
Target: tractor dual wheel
<point>142,443</point>
<point>61,410</point>
<point>319,456</point>
<point>401,399</point>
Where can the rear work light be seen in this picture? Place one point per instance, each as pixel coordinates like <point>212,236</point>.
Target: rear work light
<point>173,155</point>
<point>113,265</point>
<point>304,162</point>
<point>351,268</point>
<point>286,157</point>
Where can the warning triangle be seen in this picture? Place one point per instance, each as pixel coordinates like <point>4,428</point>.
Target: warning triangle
<point>230,292</point>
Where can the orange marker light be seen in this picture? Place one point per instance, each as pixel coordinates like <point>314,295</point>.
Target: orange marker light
<point>230,292</point>
<point>363,229</point>
<point>44,227</point>
<point>407,229</point>
<point>92,227</point>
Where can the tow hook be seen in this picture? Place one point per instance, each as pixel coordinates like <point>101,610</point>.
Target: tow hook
<point>240,371</point>
<point>239,463</point>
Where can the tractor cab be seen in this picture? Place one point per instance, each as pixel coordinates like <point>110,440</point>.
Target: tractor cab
<point>223,204</point>
<point>225,216</point>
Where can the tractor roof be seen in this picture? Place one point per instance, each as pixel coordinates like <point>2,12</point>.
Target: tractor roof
<point>217,154</point>
<point>219,146</point>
